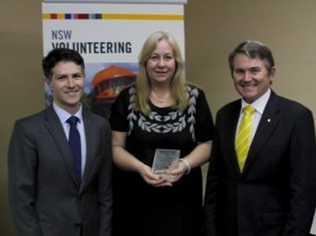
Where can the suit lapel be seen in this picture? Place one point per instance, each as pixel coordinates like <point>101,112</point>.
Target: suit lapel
<point>56,130</point>
<point>231,126</point>
<point>267,124</point>
<point>92,145</point>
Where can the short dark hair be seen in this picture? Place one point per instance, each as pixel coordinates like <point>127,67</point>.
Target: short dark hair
<point>60,54</point>
<point>252,49</point>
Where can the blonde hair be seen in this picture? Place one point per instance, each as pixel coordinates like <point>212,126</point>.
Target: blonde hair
<point>178,82</point>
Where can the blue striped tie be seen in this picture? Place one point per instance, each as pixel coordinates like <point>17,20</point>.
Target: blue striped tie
<point>75,144</point>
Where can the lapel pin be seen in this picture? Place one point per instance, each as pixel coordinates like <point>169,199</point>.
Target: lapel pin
<point>269,120</point>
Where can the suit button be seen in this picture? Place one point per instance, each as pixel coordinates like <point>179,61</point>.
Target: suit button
<point>77,222</point>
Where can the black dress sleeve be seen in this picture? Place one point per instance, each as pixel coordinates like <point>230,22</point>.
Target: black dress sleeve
<point>119,112</point>
<point>204,127</point>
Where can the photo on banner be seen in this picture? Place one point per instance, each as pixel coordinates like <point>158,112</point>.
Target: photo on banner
<point>109,36</point>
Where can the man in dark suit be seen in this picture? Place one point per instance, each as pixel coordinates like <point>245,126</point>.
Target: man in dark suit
<point>261,173</point>
<point>60,160</point>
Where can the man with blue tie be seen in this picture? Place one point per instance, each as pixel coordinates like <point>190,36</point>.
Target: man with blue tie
<point>261,178</point>
<point>60,160</point>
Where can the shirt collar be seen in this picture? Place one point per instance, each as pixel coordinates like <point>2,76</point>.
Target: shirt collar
<point>259,104</point>
<point>64,115</point>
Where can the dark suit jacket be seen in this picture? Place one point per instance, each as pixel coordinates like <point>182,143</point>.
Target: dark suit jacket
<point>45,196</point>
<point>275,193</point>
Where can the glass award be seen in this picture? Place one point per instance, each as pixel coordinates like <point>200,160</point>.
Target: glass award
<point>163,160</point>
<point>313,228</point>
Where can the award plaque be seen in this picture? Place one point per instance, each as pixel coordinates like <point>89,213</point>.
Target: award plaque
<point>163,159</point>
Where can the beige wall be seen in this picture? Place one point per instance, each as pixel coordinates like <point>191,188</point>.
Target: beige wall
<point>213,28</point>
<point>20,75</point>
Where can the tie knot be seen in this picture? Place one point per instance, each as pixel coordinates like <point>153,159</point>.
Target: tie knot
<point>249,110</point>
<point>73,120</point>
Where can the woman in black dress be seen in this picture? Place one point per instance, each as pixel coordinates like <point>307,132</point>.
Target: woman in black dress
<point>161,111</point>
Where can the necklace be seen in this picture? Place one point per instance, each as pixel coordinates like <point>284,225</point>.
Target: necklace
<point>165,99</point>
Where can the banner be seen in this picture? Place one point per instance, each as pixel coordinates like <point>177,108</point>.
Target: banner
<point>109,36</point>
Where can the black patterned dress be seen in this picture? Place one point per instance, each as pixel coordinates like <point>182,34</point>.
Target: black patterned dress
<point>143,210</point>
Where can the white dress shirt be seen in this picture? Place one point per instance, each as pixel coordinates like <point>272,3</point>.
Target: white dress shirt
<point>259,105</point>
<point>63,117</point>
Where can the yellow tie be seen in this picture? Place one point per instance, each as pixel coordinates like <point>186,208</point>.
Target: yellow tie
<point>243,140</point>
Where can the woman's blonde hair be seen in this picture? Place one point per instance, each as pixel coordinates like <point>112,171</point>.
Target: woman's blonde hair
<point>178,82</point>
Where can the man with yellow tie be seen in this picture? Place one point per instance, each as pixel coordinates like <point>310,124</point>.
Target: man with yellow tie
<point>261,177</point>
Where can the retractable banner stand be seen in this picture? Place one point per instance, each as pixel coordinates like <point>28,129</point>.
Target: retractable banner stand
<point>109,35</point>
